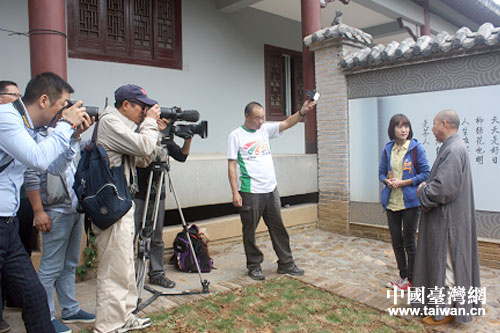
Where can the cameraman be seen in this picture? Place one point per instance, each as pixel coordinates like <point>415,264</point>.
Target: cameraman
<point>156,268</point>
<point>129,134</point>
<point>43,104</point>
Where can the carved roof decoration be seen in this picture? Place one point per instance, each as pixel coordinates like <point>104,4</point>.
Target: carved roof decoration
<point>463,39</point>
<point>339,31</point>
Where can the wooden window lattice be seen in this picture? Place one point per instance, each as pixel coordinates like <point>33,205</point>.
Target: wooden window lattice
<point>116,20</point>
<point>89,18</point>
<point>144,32</point>
<point>165,25</point>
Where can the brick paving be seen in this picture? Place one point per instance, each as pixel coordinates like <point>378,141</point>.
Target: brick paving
<point>351,267</point>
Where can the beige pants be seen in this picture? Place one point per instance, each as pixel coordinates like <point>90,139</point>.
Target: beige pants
<point>116,287</point>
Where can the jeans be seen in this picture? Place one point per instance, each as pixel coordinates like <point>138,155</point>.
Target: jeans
<point>25,218</point>
<point>403,228</point>
<point>19,276</point>
<point>267,206</point>
<point>61,253</point>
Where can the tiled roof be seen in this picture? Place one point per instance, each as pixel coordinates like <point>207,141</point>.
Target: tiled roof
<point>337,31</point>
<point>463,39</point>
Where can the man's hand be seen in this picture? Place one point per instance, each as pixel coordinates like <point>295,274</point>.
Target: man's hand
<point>237,200</point>
<point>307,106</point>
<point>42,221</point>
<point>154,112</point>
<point>75,113</point>
<point>162,123</point>
<point>422,184</point>
<point>86,123</point>
<point>295,118</point>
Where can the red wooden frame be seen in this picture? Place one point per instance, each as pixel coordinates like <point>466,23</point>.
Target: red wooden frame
<point>104,49</point>
<point>276,113</point>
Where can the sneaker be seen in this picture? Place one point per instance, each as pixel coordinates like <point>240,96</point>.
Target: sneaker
<point>135,324</point>
<point>4,326</point>
<point>80,317</point>
<point>256,274</point>
<point>402,284</point>
<point>162,281</point>
<point>292,270</point>
<point>60,327</point>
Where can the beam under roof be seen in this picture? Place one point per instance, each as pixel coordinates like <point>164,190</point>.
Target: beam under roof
<point>231,6</point>
<point>409,11</point>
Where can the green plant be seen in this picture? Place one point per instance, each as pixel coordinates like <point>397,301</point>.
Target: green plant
<point>90,257</point>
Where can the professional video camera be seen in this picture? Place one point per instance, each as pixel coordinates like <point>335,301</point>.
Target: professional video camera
<point>184,131</point>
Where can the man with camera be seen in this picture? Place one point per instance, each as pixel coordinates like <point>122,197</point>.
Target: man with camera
<point>43,104</point>
<point>54,205</point>
<point>256,194</point>
<point>9,92</point>
<point>129,134</point>
<point>156,267</point>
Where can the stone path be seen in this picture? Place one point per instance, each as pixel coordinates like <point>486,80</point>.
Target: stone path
<point>352,267</point>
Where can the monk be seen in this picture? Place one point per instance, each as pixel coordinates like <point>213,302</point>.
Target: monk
<point>447,252</point>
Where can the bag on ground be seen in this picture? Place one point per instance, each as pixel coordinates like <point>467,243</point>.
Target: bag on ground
<point>183,258</point>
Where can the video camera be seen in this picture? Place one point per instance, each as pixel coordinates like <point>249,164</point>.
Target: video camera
<point>184,131</point>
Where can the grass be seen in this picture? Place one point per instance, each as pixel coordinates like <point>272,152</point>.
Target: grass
<point>278,305</point>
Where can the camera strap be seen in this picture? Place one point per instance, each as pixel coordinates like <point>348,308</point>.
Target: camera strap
<point>20,108</point>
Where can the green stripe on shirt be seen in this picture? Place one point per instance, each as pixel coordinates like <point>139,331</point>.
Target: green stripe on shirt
<point>244,177</point>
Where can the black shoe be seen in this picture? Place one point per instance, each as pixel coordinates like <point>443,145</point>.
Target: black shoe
<point>162,281</point>
<point>4,327</point>
<point>292,270</point>
<point>256,274</point>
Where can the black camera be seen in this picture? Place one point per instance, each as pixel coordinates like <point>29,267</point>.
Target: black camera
<point>92,111</point>
<point>175,113</point>
<point>184,131</point>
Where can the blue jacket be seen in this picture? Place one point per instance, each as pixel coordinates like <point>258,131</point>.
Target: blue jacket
<point>417,174</point>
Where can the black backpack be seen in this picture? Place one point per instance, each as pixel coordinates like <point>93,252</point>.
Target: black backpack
<point>183,258</point>
<point>102,192</point>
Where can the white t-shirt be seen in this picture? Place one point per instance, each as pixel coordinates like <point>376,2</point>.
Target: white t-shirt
<point>252,151</point>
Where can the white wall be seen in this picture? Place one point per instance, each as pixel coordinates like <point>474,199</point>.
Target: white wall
<point>471,104</point>
<point>202,180</point>
<point>223,57</point>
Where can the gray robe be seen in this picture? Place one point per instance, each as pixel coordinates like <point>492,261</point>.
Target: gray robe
<point>448,215</point>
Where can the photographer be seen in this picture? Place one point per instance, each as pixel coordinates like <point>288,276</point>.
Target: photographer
<point>156,268</point>
<point>43,104</point>
<point>129,134</point>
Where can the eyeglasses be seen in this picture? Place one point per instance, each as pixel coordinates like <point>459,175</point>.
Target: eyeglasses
<point>141,104</point>
<point>12,94</point>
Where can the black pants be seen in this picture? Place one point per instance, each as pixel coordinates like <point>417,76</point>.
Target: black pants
<point>267,206</point>
<point>20,278</point>
<point>403,228</point>
<point>25,218</point>
<point>156,267</point>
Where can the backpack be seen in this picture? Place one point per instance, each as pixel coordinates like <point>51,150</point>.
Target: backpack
<point>183,258</point>
<point>102,192</point>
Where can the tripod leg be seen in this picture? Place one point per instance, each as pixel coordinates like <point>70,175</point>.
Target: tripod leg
<point>144,242</point>
<point>184,224</point>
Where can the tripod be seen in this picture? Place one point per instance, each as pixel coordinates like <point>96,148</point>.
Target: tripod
<point>148,226</point>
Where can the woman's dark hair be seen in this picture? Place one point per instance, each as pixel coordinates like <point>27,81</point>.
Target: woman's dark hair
<point>395,121</point>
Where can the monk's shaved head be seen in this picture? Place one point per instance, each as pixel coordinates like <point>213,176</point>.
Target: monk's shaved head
<point>450,116</point>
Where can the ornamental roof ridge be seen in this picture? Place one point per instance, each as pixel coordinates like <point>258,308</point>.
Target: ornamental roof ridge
<point>339,31</point>
<point>463,39</point>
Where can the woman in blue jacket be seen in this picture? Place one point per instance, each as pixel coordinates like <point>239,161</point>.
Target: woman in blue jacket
<point>403,166</point>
